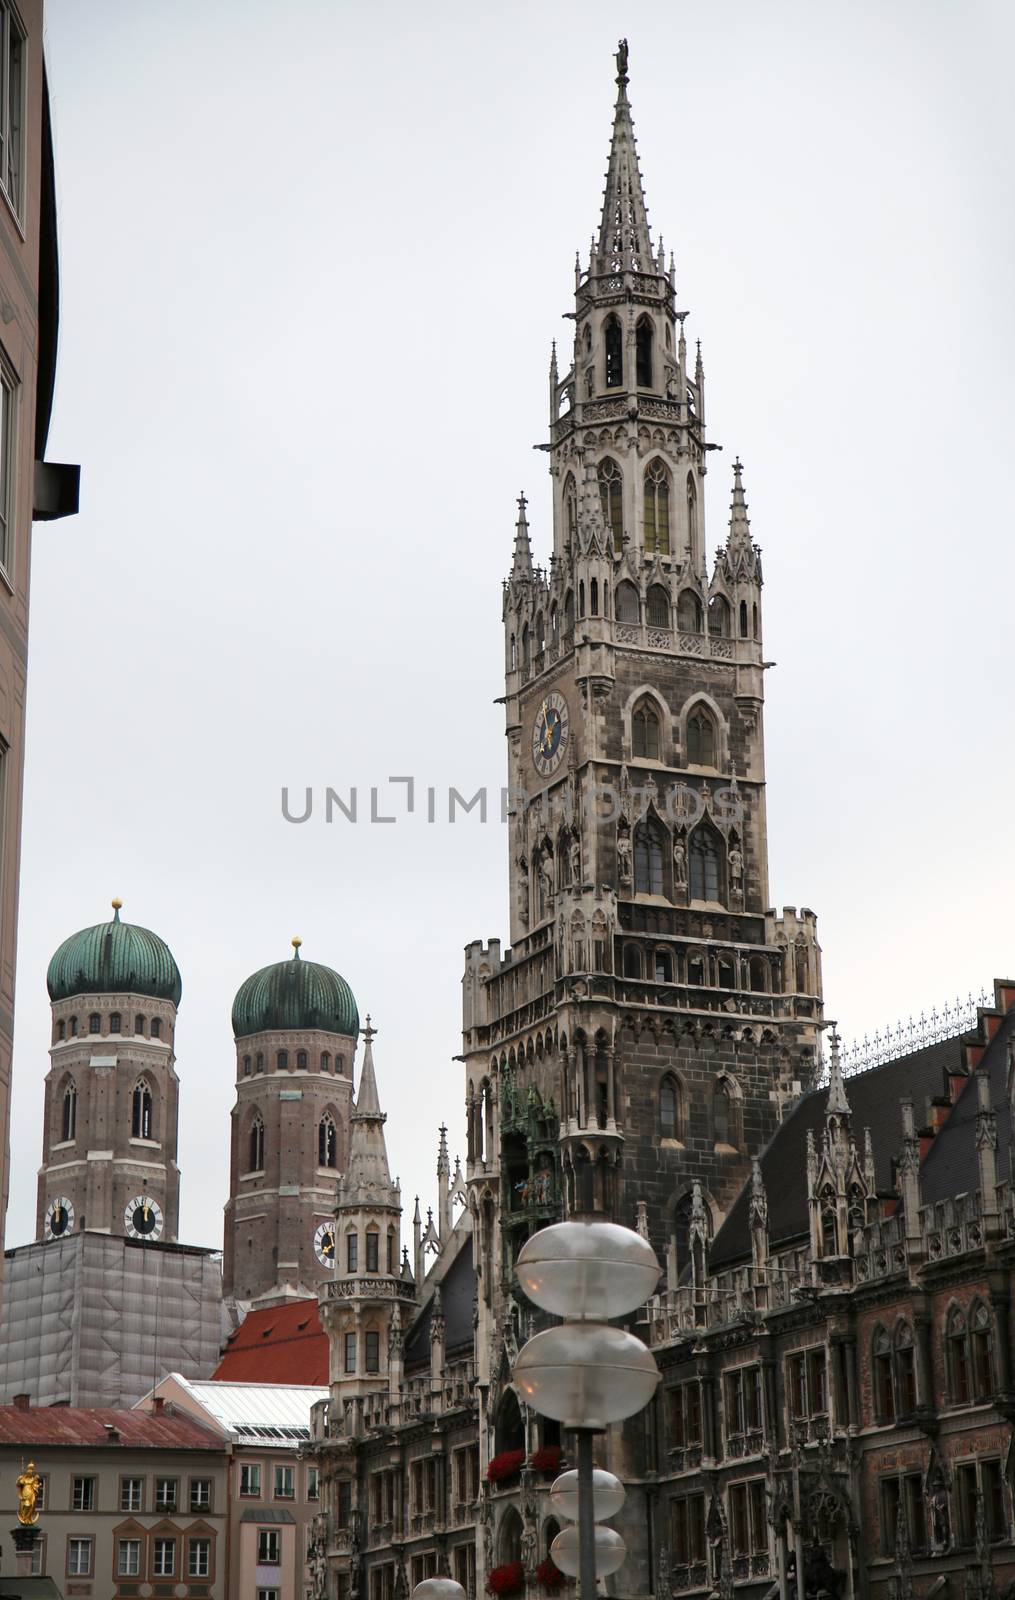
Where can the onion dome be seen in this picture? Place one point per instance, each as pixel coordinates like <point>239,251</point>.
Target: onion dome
<point>114,958</point>
<point>294,995</point>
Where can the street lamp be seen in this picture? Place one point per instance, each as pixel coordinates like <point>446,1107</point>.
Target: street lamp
<point>586,1373</point>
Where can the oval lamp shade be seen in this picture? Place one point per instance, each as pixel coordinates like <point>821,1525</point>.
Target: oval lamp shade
<point>610,1551</point>
<point>608,1495</point>
<point>585,1374</point>
<point>587,1269</point>
<point>438,1589</point>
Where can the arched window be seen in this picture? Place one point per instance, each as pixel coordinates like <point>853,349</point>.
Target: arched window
<point>632,961</point>
<point>688,612</point>
<point>513,654</point>
<point>692,512</point>
<point>594,597</point>
<point>325,1061</point>
<point>301,1061</point>
<point>139,1026</point>
<point>570,508</point>
<point>69,1120</point>
<point>682,1234</point>
<point>648,857</point>
<point>581,598</point>
<point>554,624</point>
<point>156,1028</point>
<point>700,739</point>
<point>392,1253</point>
<point>526,647</point>
<point>663,967</point>
<point>282,1061</point>
<point>352,1252</point>
<point>540,634</point>
<point>905,1369</point>
<point>669,1107</point>
<point>718,617</point>
<point>958,1357</point>
<point>754,621</point>
<point>981,1350</point>
<point>705,863</point>
<point>884,1388</point>
<point>723,1119</point>
<point>626,602</point>
<point>587,339</point>
<point>256,1149</point>
<point>94,1022</point>
<point>327,1143</point>
<point>657,609</point>
<point>247,1066</point>
<point>611,493</point>
<point>114,1022</point>
<point>643,352</point>
<point>645,731</point>
<point>613,344</point>
<point>61,1029</point>
<point>73,1027</point>
<point>656,509</point>
<point>259,1062</point>
<point>511,1537</point>
<point>141,1111</point>
<point>340,1065</point>
<point>373,1250</point>
<point>569,611</point>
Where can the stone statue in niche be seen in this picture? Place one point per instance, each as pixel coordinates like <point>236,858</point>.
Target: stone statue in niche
<point>679,862</point>
<point>576,861</point>
<point>624,857</point>
<point>736,861</point>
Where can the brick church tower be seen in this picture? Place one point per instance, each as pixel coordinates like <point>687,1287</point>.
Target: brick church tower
<point>295,1024</point>
<point>633,1048</point>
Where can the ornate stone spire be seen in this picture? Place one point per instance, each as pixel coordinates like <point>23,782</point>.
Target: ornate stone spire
<point>625,244</point>
<point>837,1104</point>
<point>521,566</point>
<point>740,528</point>
<point>367,1167</point>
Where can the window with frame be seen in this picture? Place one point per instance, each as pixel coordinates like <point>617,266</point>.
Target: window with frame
<point>351,1252</point>
<point>372,1351</point>
<point>156,1028</point>
<point>285,1483</point>
<point>382,1496</point>
<point>981,1351</point>
<point>114,1022</point>
<point>958,1357</point>
<point>198,1558</point>
<point>94,1022</point>
<point>648,858</point>
<point>38,1562</point>
<point>748,1528</point>
<point>267,1594</point>
<point>905,1369</point>
<point>466,1467</point>
<point>966,1492</point>
<point>700,739</point>
<point>250,1480</point>
<point>141,1111</point>
<point>350,1352</point>
<point>164,1558</point>
<point>255,1161</point>
<point>656,514</point>
<point>627,605</point>
<point>806,1383</point>
<point>902,1498</point>
<point>313,1484</point>
<point>423,1485</point>
<point>327,1143</point>
<point>382,1581</point>
<point>200,1494</point>
<point>373,1249</point>
<point>687,1529</point>
<point>643,352</point>
<point>8,411</point>
<point>128,1558</point>
<point>12,107</point>
<point>79,1558</point>
<point>282,1061</point>
<point>464,1562</point>
<point>424,1566</point>
<point>68,1123</point>
<point>131,1494</point>
<point>704,855</point>
<point>611,487</point>
<point>40,1498</point>
<point>343,1502</point>
<point>670,1120</point>
<point>82,1494</point>
<point>645,732</point>
<point>684,1408</point>
<point>167,1494</point>
<point>269,1547</point>
<point>613,345</point>
<point>995,1511</point>
<point>742,1388</point>
<point>884,1387</point>
<point>688,612</point>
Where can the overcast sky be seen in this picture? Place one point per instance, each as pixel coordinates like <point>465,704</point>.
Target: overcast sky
<point>312,260</point>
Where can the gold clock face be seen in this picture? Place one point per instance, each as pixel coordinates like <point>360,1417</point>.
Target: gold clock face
<point>142,1218</point>
<point>59,1218</point>
<point>324,1244</point>
<point>550,734</point>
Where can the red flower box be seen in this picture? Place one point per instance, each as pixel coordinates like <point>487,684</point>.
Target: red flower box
<point>510,1578</point>
<point>546,1458</point>
<point>507,1465</point>
<point>549,1576</point>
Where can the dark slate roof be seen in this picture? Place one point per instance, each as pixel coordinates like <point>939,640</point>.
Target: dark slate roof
<point>267,1514</point>
<point>457,1293</point>
<point>950,1166</point>
<point>874,1098</point>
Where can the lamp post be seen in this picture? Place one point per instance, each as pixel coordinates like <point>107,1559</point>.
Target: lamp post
<point>586,1373</point>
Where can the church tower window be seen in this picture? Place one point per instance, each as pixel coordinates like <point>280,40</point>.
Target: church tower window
<point>627,603</point>
<point>256,1150</point>
<point>373,1250</point>
<point>69,1119</point>
<point>613,342</point>
<point>156,1028</point>
<point>657,608</point>
<point>94,1022</point>
<point>645,731</point>
<point>656,512</point>
<point>718,617</point>
<point>327,1143</point>
<point>570,508</point>
<point>692,512</point>
<point>643,352</point>
<point>648,858</point>
<point>141,1111</point>
<point>611,493</point>
<point>114,1022</point>
<point>688,612</point>
<point>139,1026</point>
<point>701,740</point>
<point>670,1107</point>
<point>351,1252</point>
<point>705,861</point>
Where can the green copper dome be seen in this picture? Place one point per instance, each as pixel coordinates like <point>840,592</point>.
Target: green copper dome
<point>294,995</point>
<point>114,958</point>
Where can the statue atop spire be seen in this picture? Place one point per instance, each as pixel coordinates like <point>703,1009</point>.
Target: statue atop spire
<point>521,566</point>
<point>625,244</point>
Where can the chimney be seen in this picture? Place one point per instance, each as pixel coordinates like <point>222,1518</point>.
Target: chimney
<point>158,1405</point>
<point>112,1432</point>
<point>22,1402</point>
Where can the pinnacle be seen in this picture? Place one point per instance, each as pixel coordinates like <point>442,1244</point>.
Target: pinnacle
<point>625,244</point>
<point>521,566</point>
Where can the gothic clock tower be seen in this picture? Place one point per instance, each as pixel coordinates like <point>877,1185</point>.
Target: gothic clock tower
<point>635,1046</point>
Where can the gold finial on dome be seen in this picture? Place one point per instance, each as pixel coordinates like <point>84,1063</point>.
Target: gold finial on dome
<point>296,942</point>
<point>116,903</point>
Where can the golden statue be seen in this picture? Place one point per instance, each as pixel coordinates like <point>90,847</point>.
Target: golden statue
<point>28,1486</point>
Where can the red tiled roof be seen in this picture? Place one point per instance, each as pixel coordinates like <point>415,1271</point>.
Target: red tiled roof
<point>136,1430</point>
<point>285,1344</point>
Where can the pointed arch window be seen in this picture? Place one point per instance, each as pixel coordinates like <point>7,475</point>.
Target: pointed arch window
<point>256,1146</point>
<point>688,612</point>
<point>141,1106</point>
<point>373,1250</point>
<point>569,611</point>
<point>657,608</point>
<point>648,857</point>
<point>718,617</point>
<point>139,1026</point>
<point>69,1119</point>
<point>282,1061</point>
<point>670,1107</point>
<point>628,606</point>
<point>114,1022</point>
<point>327,1143</point>
<point>692,512</point>
<point>594,597</point>
<point>723,1124</point>
<point>884,1388</point>
<point>958,1357</point>
<point>325,1061</point>
<point>611,493</point>
<point>643,352</point>
<point>705,863</point>
<point>613,345</point>
<point>981,1350</point>
<point>905,1369</point>
<point>656,509</point>
<point>570,508</point>
<point>700,739</point>
<point>645,731</point>
<point>663,967</point>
